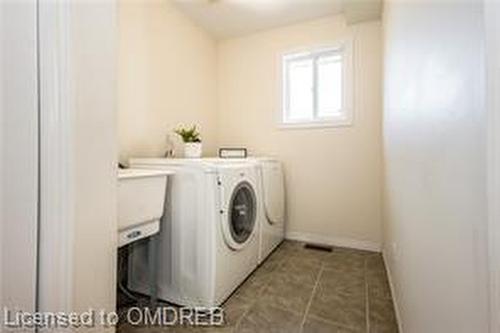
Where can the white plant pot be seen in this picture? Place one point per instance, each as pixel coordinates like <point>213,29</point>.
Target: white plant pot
<point>192,149</point>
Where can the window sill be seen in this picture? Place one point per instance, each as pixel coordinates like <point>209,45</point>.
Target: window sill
<point>315,124</point>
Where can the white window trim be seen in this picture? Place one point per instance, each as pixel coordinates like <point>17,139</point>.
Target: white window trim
<point>346,46</point>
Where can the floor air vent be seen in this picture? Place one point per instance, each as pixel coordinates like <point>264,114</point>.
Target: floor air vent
<point>318,247</point>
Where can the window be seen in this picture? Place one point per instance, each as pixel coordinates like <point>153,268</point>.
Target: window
<point>316,87</point>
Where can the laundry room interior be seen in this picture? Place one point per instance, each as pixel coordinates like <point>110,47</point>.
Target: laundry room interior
<point>223,68</point>
<point>173,72</point>
<point>218,66</point>
<point>243,166</point>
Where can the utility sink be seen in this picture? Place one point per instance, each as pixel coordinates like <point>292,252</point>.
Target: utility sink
<point>141,200</point>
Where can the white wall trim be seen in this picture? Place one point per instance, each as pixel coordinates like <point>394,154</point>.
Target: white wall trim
<point>334,241</point>
<point>393,291</point>
<point>57,125</point>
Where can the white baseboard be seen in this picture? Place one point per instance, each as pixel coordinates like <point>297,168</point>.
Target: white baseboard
<point>333,241</point>
<point>391,285</point>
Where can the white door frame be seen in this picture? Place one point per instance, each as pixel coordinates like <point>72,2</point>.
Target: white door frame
<point>56,162</point>
<point>19,140</point>
<point>76,45</point>
<point>37,229</point>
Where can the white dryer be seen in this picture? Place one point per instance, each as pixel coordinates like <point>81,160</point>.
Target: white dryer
<point>272,198</point>
<point>209,238</point>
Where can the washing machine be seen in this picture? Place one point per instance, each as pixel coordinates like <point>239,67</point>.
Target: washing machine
<point>209,238</point>
<point>270,199</point>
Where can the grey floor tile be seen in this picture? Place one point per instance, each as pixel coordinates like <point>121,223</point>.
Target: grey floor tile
<point>376,276</point>
<point>263,318</point>
<point>176,329</point>
<point>346,263</point>
<point>291,246</point>
<point>378,287</point>
<point>166,329</point>
<point>343,304</point>
<point>287,291</point>
<point>298,270</point>
<point>272,263</point>
<point>382,316</point>
<point>234,309</point>
<point>336,286</point>
<point>314,325</point>
<point>224,329</point>
<point>343,280</point>
<point>312,255</point>
<point>281,253</point>
<point>254,285</point>
<point>375,263</point>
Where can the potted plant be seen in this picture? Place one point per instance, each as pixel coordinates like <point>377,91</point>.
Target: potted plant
<point>192,141</point>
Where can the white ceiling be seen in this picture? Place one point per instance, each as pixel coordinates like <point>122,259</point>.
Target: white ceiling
<point>230,18</point>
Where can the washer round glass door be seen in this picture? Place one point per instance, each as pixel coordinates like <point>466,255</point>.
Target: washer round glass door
<point>242,213</point>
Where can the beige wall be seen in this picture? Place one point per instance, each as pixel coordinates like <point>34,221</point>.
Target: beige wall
<point>167,73</point>
<point>435,165</point>
<point>333,174</point>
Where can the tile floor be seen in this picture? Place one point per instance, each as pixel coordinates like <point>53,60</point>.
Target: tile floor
<point>310,291</point>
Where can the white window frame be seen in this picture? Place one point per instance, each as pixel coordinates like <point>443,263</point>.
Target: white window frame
<point>345,49</point>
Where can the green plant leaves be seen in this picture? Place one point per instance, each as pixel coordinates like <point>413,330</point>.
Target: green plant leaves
<point>189,134</point>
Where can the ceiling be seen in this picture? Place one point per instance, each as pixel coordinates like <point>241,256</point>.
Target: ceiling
<point>231,18</point>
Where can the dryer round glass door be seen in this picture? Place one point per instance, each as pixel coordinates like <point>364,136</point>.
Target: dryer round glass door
<point>242,213</point>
